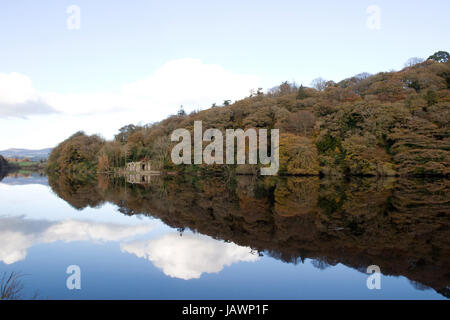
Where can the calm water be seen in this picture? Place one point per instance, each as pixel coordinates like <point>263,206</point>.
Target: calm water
<point>235,238</point>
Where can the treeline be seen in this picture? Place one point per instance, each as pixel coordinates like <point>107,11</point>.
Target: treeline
<point>6,166</point>
<point>390,123</point>
<point>3,164</point>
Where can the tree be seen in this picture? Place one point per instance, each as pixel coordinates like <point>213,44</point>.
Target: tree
<point>298,155</point>
<point>125,132</point>
<point>305,121</point>
<point>319,84</point>
<point>362,76</point>
<point>161,149</point>
<point>431,97</point>
<point>286,88</point>
<point>302,94</point>
<point>226,102</point>
<point>181,112</point>
<point>79,153</point>
<point>413,61</point>
<point>440,56</point>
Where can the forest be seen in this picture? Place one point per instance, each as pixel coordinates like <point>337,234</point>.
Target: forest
<point>387,124</point>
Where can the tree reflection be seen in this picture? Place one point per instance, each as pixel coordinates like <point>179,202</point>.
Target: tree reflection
<point>400,225</point>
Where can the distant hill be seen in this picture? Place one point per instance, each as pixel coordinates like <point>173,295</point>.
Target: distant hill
<point>25,153</point>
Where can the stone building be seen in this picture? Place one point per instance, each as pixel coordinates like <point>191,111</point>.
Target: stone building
<point>139,172</point>
<point>140,166</point>
<point>138,178</point>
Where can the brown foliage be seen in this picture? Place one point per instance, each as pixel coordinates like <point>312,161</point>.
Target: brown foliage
<point>376,118</point>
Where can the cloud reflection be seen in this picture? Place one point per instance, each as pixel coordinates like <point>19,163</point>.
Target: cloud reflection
<point>18,234</point>
<point>190,256</point>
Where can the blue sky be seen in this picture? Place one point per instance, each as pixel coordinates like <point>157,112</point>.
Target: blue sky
<point>119,65</point>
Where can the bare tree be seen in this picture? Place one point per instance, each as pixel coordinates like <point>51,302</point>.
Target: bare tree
<point>11,286</point>
<point>301,122</point>
<point>413,61</point>
<point>362,76</point>
<point>319,84</point>
<point>161,149</point>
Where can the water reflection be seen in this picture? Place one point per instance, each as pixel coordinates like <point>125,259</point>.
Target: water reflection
<point>190,256</point>
<point>400,225</point>
<point>23,178</point>
<point>22,233</point>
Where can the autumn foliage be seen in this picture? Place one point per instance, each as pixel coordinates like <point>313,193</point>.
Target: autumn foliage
<point>390,123</point>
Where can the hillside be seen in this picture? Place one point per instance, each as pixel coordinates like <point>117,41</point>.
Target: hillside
<point>390,123</point>
<point>3,164</point>
<point>34,155</point>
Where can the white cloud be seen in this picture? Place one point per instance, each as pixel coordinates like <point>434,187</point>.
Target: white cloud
<point>18,98</point>
<point>189,256</point>
<point>16,88</point>
<point>19,234</point>
<point>187,82</point>
<point>191,83</point>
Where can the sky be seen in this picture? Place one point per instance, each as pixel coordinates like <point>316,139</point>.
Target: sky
<point>98,65</point>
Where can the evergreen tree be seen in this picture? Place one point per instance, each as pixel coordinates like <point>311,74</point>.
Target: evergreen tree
<point>302,94</point>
